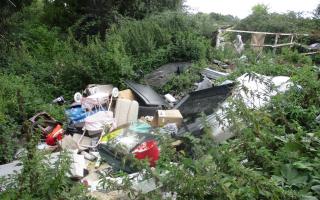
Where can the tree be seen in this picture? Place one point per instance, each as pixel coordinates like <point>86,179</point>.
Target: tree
<point>91,17</point>
<point>7,8</point>
<point>260,9</point>
<point>317,12</point>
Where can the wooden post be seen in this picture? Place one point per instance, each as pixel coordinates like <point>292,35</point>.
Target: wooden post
<point>291,40</point>
<point>266,33</point>
<point>219,42</point>
<point>275,44</point>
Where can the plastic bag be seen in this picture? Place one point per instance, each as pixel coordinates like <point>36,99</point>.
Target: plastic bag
<point>97,121</point>
<point>76,114</point>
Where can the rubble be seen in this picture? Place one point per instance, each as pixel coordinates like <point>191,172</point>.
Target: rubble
<point>10,168</point>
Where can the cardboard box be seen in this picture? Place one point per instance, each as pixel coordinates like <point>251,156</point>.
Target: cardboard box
<point>126,94</point>
<point>164,117</point>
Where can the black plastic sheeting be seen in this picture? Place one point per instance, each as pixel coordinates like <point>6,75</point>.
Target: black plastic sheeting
<point>146,94</point>
<point>162,75</point>
<point>204,101</point>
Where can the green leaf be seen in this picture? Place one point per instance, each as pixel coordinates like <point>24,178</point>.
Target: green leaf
<point>293,146</point>
<point>309,198</point>
<point>316,189</point>
<point>277,179</point>
<point>303,165</point>
<point>292,176</point>
<point>299,180</point>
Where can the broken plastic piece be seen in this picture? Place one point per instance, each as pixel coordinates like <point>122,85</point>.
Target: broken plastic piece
<point>59,100</point>
<point>171,129</point>
<point>146,94</point>
<point>213,74</point>
<point>78,166</point>
<point>98,162</point>
<point>88,156</point>
<point>203,100</point>
<point>55,135</point>
<point>205,84</point>
<point>170,98</point>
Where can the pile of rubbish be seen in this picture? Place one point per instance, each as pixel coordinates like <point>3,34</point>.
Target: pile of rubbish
<point>106,126</point>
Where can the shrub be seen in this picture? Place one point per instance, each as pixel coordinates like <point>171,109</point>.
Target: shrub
<point>41,178</point>
<point>273,155</point>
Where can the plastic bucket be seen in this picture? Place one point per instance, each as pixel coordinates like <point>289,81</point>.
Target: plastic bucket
<point>149,150</point>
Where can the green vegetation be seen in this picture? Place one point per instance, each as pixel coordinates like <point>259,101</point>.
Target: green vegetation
<point>49,49</point>
<point>263,20</point>
<point>42,177</point>
<point>275,154</point>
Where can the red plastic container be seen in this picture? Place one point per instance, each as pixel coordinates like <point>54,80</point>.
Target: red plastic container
<point>55,135</point>
<point>147,150</point>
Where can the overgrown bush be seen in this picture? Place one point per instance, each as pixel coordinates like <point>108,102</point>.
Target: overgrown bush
<point>183,83</point>
<point>162,38</point>
<point>20,99</point>
<point>63,66</point>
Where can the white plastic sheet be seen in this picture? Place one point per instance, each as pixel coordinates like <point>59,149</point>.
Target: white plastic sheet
<point>98,121</point>
<point>255,91</point>
<point>238,44</point>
